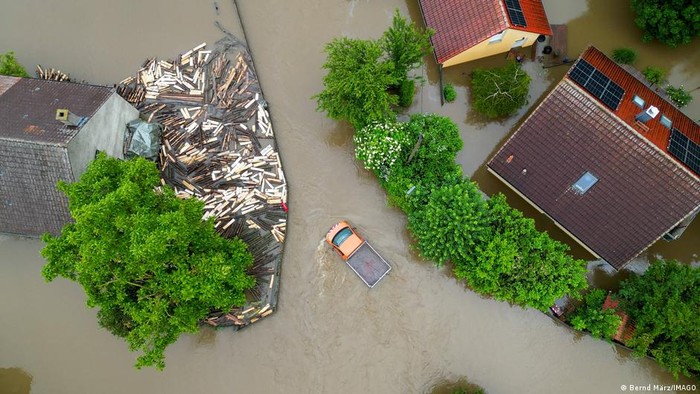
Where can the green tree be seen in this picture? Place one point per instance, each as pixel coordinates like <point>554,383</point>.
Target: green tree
<point>517,263</point>
<point>10,66</point>
<point>405,45</point>
<point>500,91</point>
<point>678,95</point>
<point>672,22</point>
<point>407,89</point>
<point>144,257</point>
<point>426,162</point>
<point>356,86</point>
<point>655,75</point>
<point>450,224</point>
<point>624,55</point>
<point>591,317</point>
<point>665,306</point>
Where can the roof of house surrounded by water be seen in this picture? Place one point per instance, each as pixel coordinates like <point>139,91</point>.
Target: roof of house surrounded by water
<point>462,24</point>
<point>33,150</point>
<point>614,182</point>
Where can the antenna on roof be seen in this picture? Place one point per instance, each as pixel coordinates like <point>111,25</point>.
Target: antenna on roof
<point>647,115</point>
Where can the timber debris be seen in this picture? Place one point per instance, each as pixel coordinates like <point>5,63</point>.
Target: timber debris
<point>219,146</point>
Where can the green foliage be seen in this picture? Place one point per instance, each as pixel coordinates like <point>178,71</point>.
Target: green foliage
<point>10,66</point>
<point>144,257</point>
<point>672,22</point>
<point>516,263</point>
<point>449,93</point>
<point>664,304</point>
<point>432,165</point>
<point>405,45</point>
<point>624,55</point>
<point>356,86</point>
<point>591,317</point>
<point>407,90</point>
<point>500,91</point>
<point>655,75</point>
<point>450,224</point>
<point>380,145</point>
<point>678,95</point>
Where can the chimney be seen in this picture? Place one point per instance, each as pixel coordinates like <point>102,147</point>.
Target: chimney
<point>647,115</point>
<point>69,119</point>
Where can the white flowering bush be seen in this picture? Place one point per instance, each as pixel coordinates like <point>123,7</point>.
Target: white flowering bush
<point>380,145</point>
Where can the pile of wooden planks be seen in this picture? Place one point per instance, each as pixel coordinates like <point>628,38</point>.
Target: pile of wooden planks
<point>218,146</point>
<point>51,74</point>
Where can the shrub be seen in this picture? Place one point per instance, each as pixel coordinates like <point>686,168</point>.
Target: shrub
<point>655,75</point>
<point>591,317</point>
<point>678,95</point>
<point>9,66</point>
<point>664,304</point>
<point>380,145</point>
<point>516,263</point>
<point>407,90</point>
<point>449,93</point>
<point>501,91</point>
<point>624,55</point>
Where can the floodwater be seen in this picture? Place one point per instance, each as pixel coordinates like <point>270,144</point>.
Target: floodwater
<point>417,329</point>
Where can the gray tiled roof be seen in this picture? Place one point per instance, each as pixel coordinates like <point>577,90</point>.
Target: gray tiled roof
<point>30,204</point>
<point>641,192</point>
<point>28,108</point>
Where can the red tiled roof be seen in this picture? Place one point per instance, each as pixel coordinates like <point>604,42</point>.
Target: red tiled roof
<point>654,131</point>
<point>625,330</point>
<point>641,193</point>
<point>462,24</point>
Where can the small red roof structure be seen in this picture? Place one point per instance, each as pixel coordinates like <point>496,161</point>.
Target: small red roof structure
<point>625,330</point>
<point>593,159</point>
<point>463,24</point>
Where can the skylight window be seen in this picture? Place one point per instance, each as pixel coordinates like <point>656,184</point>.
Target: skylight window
<point>665,121</point>
<point>638,101</point>
<point>584,183</point>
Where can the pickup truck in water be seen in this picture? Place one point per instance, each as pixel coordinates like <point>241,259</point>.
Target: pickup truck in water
<point>357,253</point>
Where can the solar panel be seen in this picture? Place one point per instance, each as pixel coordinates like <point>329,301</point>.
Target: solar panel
<point>515,13</point>
<point>685,150</point>
<point>597,84</point>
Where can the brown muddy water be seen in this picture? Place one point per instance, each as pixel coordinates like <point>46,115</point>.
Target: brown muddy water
<point>331,334</point>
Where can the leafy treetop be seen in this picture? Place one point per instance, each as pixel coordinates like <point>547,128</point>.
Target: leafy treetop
<point>673,22</point>
<point>144,257</point>
<point>665,304</point>
<point>10,66</point>
<point>500,91</point>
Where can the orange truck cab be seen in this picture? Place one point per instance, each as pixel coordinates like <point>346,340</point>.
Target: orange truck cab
<point>344,240</point>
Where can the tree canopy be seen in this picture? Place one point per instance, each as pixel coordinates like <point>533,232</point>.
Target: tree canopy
<point>515,262</point>
<point>355,88</point>
<point>405,45</point>
<point>144,257</point>
<point>673,22</point>
<point>10,66</point>
<point>500,91</point>
<point>664,303</point>
<point>591,317</point>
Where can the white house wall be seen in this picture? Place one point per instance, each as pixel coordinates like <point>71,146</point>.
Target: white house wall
<point>104,132</point>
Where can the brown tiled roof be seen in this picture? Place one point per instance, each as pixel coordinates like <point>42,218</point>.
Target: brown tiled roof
<point>641,192</point>
<point>627,110</point>
<point>625,330</point>
<point>30,204</point>
<point>28,108</point>
<point>462,24</point>
<point>33,150</point>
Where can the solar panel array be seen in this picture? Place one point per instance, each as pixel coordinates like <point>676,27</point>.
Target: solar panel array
<point>515,12</point>
<point>685,150</point>
<point>597,84</point>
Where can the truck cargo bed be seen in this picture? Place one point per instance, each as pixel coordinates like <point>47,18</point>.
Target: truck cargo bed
<point>368,264</point>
